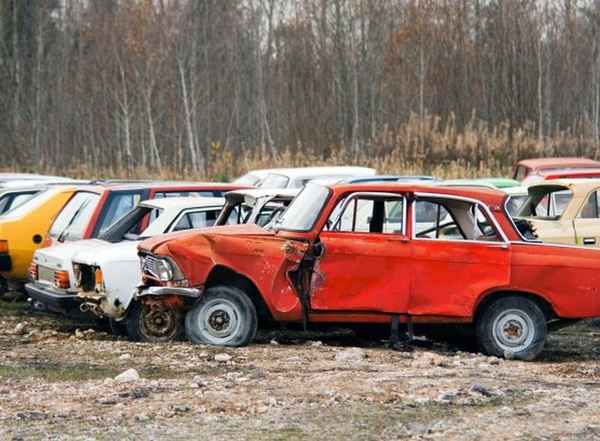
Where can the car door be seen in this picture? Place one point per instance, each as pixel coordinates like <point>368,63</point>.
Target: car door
<point>458,253</point>
<point>587,222</point>
<point>365,263</point>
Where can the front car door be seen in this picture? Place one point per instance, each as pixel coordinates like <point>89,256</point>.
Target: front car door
<point>458,253</point>
<point>365,262</point>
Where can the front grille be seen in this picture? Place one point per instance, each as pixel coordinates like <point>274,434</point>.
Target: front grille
<point>148,263</point>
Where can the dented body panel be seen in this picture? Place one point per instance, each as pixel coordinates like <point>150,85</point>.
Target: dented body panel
<point>371,276</point>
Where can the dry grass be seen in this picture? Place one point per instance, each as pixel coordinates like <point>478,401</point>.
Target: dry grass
<point>420,146</point>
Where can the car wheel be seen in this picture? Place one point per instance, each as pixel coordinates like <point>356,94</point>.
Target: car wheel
<point>225,316</point>
<point>512,327</point>
<point>153,323</point>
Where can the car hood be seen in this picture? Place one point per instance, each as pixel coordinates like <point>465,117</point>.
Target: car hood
<point>150,245</point>
<point>112,253</point>
<point>59,256</point>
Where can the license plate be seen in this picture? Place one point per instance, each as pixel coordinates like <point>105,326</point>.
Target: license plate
<point>46,274</point>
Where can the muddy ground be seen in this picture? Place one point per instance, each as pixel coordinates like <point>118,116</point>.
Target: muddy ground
<point>57,381</point>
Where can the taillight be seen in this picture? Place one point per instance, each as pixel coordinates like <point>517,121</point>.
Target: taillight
<point>33,271</point>
<point>4,246</point>
<point>61,279</point>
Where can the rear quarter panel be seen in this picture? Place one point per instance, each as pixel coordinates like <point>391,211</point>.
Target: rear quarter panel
<point>567,277</point>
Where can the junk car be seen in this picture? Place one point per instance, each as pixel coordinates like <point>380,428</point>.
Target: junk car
<point>529,170</point>
<point>361,254</point>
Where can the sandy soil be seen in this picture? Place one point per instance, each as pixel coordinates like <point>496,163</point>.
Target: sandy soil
<point>57,382</point>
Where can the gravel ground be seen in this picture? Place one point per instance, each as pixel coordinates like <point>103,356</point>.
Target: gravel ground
<point>58,382</point>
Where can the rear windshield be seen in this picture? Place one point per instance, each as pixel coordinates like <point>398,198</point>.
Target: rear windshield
<point>74,218</point>
<point>546,202</point>
<point>34,202</point>
<point>118,205</point>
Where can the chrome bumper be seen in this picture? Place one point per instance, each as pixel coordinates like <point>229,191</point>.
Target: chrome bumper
<point>168,290</point>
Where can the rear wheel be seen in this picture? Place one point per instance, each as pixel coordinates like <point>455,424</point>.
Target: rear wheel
<point>154,322</point>
<point>512,327</point>
<point>225,316</point>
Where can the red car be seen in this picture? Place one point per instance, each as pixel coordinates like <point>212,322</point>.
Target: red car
<point>571,173</point>
<point>93,208</point>
<point>374,253</point>
<point>531,168</point>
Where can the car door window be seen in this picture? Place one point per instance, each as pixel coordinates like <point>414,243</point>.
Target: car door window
<point>197,219</point>
<point>591,208</point>
<point>369,214</point>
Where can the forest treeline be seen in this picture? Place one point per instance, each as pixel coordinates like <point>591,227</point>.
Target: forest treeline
<point>182,85</point>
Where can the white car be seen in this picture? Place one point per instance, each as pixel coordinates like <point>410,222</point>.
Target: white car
<point>166,215</point>
<point>109,275</point>
<point>298,177</point>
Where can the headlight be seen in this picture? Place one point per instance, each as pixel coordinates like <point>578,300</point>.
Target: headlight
<point>164,270</point>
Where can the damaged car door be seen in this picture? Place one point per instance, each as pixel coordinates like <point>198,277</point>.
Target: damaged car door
<point>365,257</point>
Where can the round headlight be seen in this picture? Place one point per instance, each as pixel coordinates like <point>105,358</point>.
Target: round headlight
<point>164,270</point>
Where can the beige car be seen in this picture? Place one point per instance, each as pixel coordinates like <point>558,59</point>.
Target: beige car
<point>564,211</point>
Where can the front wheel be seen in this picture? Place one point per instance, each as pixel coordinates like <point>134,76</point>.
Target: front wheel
<point>225,316</point>
<point>153,322</point>
<point>512,327</point>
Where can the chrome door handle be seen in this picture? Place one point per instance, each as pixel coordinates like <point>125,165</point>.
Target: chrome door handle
<point>589,241</point>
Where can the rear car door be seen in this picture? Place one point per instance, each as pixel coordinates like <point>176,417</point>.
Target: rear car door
<point>587,222</point>
<point>365,264</point>
<point>458,253</point>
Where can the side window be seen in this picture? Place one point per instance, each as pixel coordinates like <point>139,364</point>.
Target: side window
<point>197,219</point>
<point>369,214</point>
<point>590,209</point>
<point>4,203</point>
<point>432,220</point>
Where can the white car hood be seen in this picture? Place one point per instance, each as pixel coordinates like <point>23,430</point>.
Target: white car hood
<point>58,257</point>
<point>110,253</point>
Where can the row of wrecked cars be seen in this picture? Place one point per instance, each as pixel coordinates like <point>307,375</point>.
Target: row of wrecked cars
<point>510,259</point>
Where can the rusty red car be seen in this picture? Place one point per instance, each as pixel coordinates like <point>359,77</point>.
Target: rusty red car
<point>372,253</point>
<point>527,170</point>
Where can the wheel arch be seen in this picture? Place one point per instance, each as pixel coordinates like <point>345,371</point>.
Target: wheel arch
<point>223,275</point>
<point>487,298</point>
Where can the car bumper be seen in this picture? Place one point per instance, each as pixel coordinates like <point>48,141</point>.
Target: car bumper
<point>193,293</point>
<point>55,301</point>
<point>5,262</point>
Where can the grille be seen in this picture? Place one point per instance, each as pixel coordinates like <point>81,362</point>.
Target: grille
<point>149,266</point>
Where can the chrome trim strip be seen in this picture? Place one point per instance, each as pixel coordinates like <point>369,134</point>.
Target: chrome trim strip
<point>167,290</point>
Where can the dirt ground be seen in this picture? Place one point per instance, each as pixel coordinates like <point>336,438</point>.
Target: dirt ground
<point>57,381</point>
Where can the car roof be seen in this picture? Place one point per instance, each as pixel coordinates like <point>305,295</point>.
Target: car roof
<point>319,171</point>
<point>183,202</point>
<point>579,185</point>
<point>266,192</point>
<point>488,196</point>
<point>587,172</point>
<point>565,162</point>
<point>161,186</point>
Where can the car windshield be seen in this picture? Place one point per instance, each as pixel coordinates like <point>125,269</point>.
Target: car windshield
<point>514,204</point>
<point>248,179</point>
<point>303,212</point>
<point>36,201</point>
<point>74,218</point>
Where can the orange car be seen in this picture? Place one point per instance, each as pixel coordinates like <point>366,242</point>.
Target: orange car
<point>374,253</point>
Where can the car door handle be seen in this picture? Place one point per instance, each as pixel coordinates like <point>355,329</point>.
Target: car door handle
<point>589,241</point>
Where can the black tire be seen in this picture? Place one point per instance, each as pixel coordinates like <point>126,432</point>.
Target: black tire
<point>512,327</point>
<point>225,316</point>
<point>118,328</point>
<point>142,326</point>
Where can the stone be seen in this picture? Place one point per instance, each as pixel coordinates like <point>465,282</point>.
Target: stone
<point>481,389</point>
<point>128,376</point>
<point>125,357</point>
<point>21,328</point>
<point>223,358</point>
<point>351,355</point>
<point>182,408</point>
